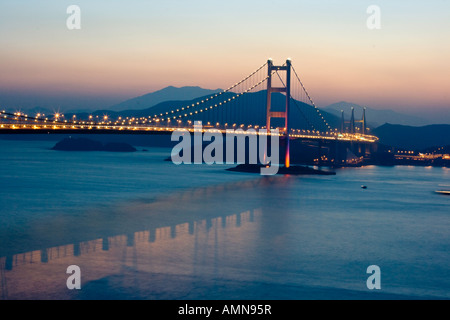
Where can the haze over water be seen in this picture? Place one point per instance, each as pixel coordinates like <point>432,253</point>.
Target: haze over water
<point>140,227</point>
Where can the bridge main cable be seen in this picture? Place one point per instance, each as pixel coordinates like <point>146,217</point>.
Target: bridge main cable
<point>309,97</point>
<point>161,117</point>
<point>295,101</point>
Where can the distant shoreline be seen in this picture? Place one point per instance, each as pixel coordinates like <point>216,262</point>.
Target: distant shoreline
<point>155,141</point>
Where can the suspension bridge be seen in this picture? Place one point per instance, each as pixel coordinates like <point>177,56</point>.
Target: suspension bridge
<point>271,100</point>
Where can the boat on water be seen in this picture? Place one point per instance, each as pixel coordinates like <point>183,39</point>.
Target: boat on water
<point>446,192</point>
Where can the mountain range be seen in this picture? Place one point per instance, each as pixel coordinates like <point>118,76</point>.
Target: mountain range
<point>413,138</point>
<point>374,117</point>
<point>167,94</point>
<point>393,128</point>
<point>249,108</point>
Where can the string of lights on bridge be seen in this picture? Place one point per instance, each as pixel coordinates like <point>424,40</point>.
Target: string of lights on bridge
<point>215,105</point>
<point>57,124</point>
<point>157,117</point>
<point>178,114</point>
<point>311,100</point>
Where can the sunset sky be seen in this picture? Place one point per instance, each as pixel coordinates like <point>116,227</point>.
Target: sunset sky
<point>129,48</point>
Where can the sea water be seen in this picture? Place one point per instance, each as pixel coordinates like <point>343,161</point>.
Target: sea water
<point>140,227</point>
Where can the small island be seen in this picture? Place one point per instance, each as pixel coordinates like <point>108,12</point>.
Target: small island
<point>84,144</point>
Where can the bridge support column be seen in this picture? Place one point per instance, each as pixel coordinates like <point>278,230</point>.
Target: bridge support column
<point>337,154</point>
<point>319,153</point>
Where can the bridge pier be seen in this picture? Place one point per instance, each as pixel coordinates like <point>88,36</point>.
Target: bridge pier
<point>338,153</point>
<point>319,152</point>
<point>361,149</point>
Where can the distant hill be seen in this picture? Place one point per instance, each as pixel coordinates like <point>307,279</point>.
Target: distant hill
<point>374,117</point>
<point>31,111</point>
<point>167,94</point>
<point>413,138</point>
<point>248,109</point>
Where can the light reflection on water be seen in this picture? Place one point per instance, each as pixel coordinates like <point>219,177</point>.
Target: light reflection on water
<point>216,234</point>
<point>178,250</point>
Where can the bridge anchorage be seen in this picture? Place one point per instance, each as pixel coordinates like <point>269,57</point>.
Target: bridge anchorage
<point>272,97</point>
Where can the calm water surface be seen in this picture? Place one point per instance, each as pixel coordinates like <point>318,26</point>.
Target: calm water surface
<point>140,227</point>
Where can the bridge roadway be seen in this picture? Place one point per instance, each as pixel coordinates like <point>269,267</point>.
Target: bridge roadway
<point>72,128</point>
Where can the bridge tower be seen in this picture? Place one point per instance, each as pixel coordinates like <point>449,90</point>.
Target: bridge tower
<point>279,114</point>
<point>352,122</point>
<point>363,121</point>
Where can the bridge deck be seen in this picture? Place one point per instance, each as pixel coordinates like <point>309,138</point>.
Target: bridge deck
<point>166,130</point>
